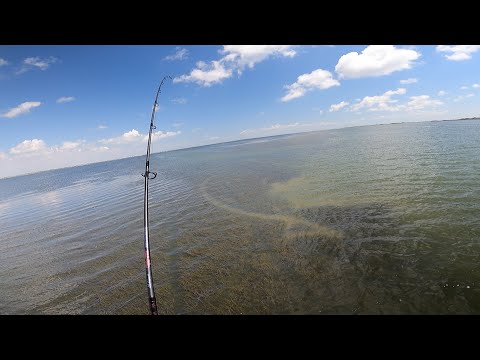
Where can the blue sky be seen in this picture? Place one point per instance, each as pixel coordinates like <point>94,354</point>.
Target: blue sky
<point>69,105</point>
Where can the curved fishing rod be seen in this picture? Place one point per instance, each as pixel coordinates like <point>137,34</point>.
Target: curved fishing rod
<point>152,301</point>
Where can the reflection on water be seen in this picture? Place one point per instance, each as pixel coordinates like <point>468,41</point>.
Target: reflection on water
<point>368,220</point>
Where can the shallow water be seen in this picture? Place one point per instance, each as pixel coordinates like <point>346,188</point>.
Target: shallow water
<point>369,220</point>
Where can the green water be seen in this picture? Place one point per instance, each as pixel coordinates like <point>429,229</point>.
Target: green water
<point>369,220</point>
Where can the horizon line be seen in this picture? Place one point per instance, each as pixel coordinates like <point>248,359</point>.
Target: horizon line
<point>232,141</point>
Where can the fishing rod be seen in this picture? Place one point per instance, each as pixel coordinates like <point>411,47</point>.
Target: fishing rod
<point>150,175</point>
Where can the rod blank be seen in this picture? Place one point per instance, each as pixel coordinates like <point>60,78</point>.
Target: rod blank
<point>150,175</point>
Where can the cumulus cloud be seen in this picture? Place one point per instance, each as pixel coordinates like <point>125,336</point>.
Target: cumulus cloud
<point>39,147</point>
<point>380,102</point>
<point>409,81</point>
<point>458,52</point>
<point>336,107</point>
<point>29,147</point>
<point>421,102</point>
<point>70,145</point>
<point>179,100</point>
<point>101,127</point>
<point>3,62</point>
<point>294,91</point>
<point>65,99</point>
<point>317,79</point>
<point>249,55</point>
<point>206,75</point>
<point>375,60</point>
<point>235,59</point>
<point>133,136</point>
<point>464,87</point>
<point>180,54</point>
<point>38,156</point>
<point>23,108</point>
<point>127,137</point>
<point>476,86</point>
<point>442,93</point>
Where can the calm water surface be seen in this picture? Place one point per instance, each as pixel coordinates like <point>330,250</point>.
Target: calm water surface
<point>369,220</point>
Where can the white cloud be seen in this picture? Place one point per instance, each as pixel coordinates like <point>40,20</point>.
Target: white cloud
<point>442,93</point>
<point>281,126</point>
<point>39,147</point>
<point>294,91</point>
<point>177,124</point>
<point>463,97</point>
<point>458,52</point>
<point>271,128</point>
<point>180,54</point>
<point>42,64</point>
<point>37,62</point>
<point>23,108</point>
<point>386,103</point>
<point>409,81</point>
<point>249,55</point>
<point>375,60</point>
<point>206,75</point>
<point>29,147</point>
<point>101,148</point>
<point>70,145</point>
<point>3,62</point>
<point>476,86</point>
<point>133,136</point>
<point>236,58</point>
<point>464,87</point>
<point>317,79</point>
<point>127,137</point>
<point>65,99</point>
<point>101,127</point>
<point>38,156</point>
<point>3,155</point>
<point>421,102</point>
<point>157,135</point>
<point>380,102</point>
<point>336,107</point>
<point>180,101</point>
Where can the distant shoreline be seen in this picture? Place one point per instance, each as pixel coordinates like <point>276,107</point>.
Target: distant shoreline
<point>470,118</point>
<point>406,122</point>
